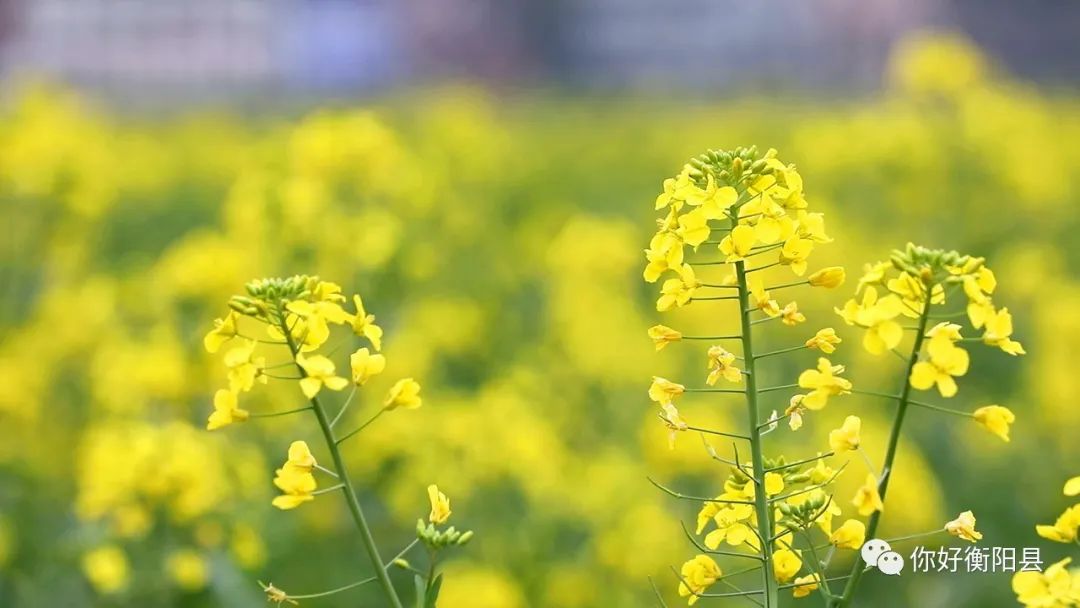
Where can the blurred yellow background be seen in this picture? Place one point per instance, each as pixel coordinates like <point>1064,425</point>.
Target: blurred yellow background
<point>499,240</point>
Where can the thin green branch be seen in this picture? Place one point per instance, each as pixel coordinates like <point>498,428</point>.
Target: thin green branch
<point>890,451</point>
<point>350,494</point>
<point>285,413</point>
<point>682,496</point>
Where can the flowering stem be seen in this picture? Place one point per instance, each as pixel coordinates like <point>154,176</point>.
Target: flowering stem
<point>769,389</point>
<point>285,413</point>
<point>361,427</point>
<point>368,539</point>
<point>344,407</point>
<point>786,285</point>
<point>715,298</point>
<point>761,504</point>
<point>914,536</point>
<point>735,337</point>
<point>781,351</point>
<point>890,452</point>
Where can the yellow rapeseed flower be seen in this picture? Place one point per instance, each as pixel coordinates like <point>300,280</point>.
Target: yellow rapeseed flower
<point>1054,588</point>
<point>846,437</point>
<point>823,382</point>
<point>805,585</point>
<point>663,390</point>
<point>964,527</point>
<point>662,335</point>
<point>696,575</point>
<point>791,316</point>
<point>996,419</point>
<point>946,360</point>
<point>824,340</point>
<point>365,365</point>
<point>224,330</point>
<point>786,564</point>
<point>721,365</point>
<point>867,499</point>
<point>405,393</point>
<point>829,278</point>
<point>440,505</point>
<point>850,535</point>
<point>999,328</point>
<point>320,372</point>
<point>364,325</point>
<point>1065,529</point>
<point>738,243</point>
<point>226,411</point>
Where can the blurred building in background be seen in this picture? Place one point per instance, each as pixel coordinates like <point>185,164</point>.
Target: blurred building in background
<point>144,50</point>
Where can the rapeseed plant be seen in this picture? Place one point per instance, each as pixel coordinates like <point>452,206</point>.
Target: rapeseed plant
<point>296,315</point>
<point>752,207</point>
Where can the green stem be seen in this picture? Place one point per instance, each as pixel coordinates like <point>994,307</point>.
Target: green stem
<point>890,452</point>
<point>761,504</point>
<point>350,494</point>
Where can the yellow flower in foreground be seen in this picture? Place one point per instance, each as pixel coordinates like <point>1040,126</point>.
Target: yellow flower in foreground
<point>1065,530</point>
<point>675,293</point>
<point>363,324</point>
<point>696,576</point>
<point>188,569</point>
<point>877,317</point>
<point>1072,486</point>
<point>670,415</point>
<point>295,477</point>
<point>946,360</point>
<point>364,365</point>
<point>786,564</point>
<point>694,228</point>
<point>850,535</point>
<point>676,191</point>
<point>712,200</point>
<point>662,335</point>
<point>663,390</point>
<point>721,365</point>
<point>824,340</point>
<point>996,419</point>
<point>440,505</point>
<point>791,316</point>
<point>760,299</point>
<point>107,569</point>
<point>297,486</point>
<point>867,499</point>
<point>244,367</point>
<point>794,253</point>
<point>805,585</point>
<point>300,456</point>
<point>738,243</point>
<point>847,436</point>
<point>665,253</point>
<point>320,373</point>
<point>405,393</point>
<point>226,411</point>
<point>1054,588</point>
<point>774,483</point>
<point>824,383</point>
<point>999,328</point>
<point>964,527</point>
<point>224,330</point>
<point>829,278</point>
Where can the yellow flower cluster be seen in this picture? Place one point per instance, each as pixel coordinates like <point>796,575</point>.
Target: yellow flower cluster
<point>761,202</point>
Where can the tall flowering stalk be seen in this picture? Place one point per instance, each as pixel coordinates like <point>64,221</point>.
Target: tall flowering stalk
<point>750,207</point>
<point>771,511</point>
<point>921,284</point>
<point>296,315</point>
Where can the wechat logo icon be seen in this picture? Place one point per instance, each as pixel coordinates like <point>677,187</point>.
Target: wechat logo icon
<point>879,554</point>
